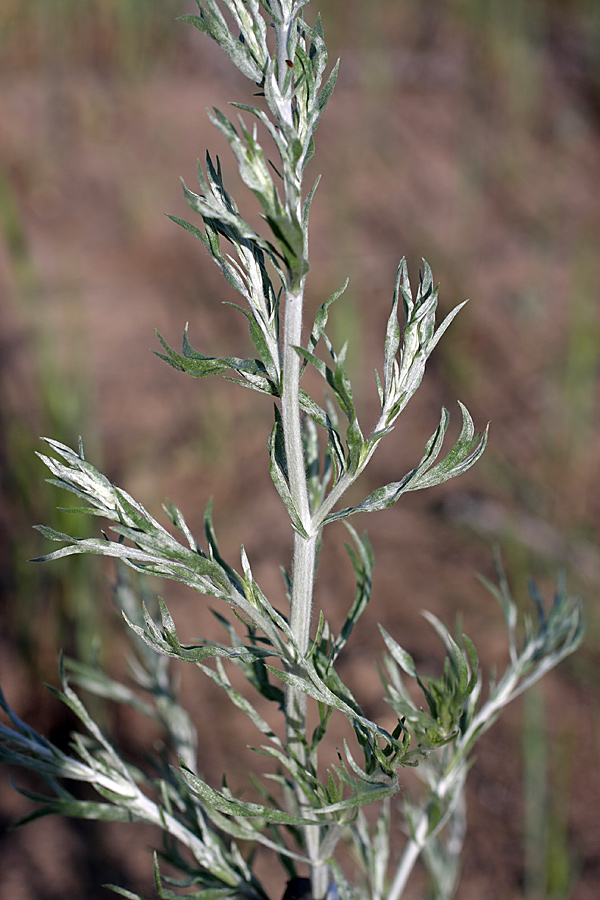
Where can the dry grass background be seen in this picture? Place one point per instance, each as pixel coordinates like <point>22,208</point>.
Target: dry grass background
<point>465,132</point>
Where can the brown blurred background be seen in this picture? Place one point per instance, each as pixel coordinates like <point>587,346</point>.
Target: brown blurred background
<point>463,131</point>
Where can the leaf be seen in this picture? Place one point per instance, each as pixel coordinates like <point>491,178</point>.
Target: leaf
<point>463,455</point>
<point>209,893</point>
<point>507,604</point>
<point>240,701</point>
<point>308,203</point>
<point>320,323</point>
<point>401,656</point>
<point>278,472</point>
<point>467,450</point>
<point>230,806</point>
<point>166,641</point>
<point>256,174</point>
<point>362,562</point>
<point>211,22</point>
<point>230,224</point>
<point>225,803</point>
<point>199,366</point>
<point>332,692</point>
<point>156,551</point>
<point>392,339</point>
<point>78,809</point>
<point>265,338</point>
<point>214,549</point>
<point>328,88</point>
<point>97,682</point>
<point>454,652</point>
<point>122,892</point>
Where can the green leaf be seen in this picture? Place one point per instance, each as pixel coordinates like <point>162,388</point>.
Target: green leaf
<point>328,88</point>
<point>455,654</point>
<point>240,701</point>
<point>93,679</point>
<point>256,174</point>
<point>320,323</point>
<point>78,809</point>
<point>213,549</point>
<point>362,562</point>
<point>122,892</point>
<point>330,691</point>
<point>401,656</point>
<point>198,365</point>
<point>156,551</point>
<point>278,467</point>
<point>230,806</point>
<point>165,640</point>
<point>507,604</point>
<point>210,21</point>
<point>230,224</point>
<point>392,339</point>
<point>308,203</point>
<point>267,365</point>
<point>209,893</point>
<point>463,455</point>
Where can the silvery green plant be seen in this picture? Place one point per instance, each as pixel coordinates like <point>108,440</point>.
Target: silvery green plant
<point>317,450</point>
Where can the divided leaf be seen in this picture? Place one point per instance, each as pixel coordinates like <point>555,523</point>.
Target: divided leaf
<point>253,371</point>
<point>466,451</point>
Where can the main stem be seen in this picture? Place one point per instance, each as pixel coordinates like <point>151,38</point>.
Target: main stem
<point>303,567</point>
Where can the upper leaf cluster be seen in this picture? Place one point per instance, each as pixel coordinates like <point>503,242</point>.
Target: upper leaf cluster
<point>292,84</point>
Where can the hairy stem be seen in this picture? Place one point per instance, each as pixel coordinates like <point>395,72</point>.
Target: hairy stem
<point>303,569</point>
<point>302,585</point>
<point>300,616</point>
<point>290,406</point>
<point>409,857</point>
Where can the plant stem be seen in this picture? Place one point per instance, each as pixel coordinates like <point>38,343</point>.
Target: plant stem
<point>302,584</point>
<point>451,783</point>
<point>411,854</point>
<point>303,568</point>
<point>300,616</point>
<point>290,405</point>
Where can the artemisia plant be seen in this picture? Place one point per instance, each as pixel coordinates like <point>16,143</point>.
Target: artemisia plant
<point>317,450</point>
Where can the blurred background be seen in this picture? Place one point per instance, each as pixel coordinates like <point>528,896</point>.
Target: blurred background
<point>463,131</point>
